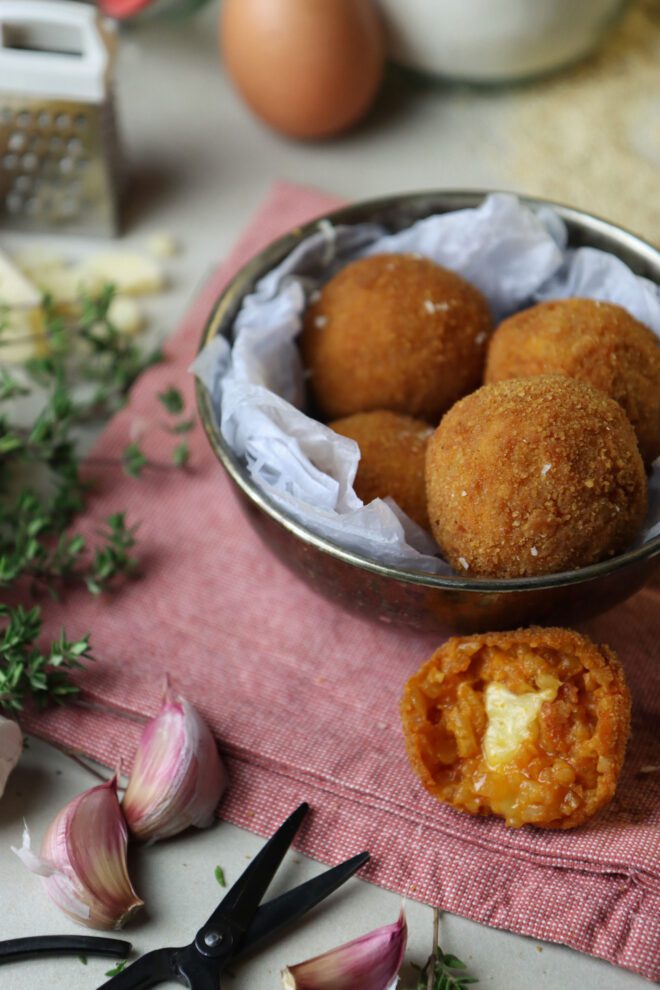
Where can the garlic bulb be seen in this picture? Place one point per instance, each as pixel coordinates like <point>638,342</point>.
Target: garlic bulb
<point>371,962</point>
<point>83,860</point>
<point>11,747</point>
<point>178,777</point>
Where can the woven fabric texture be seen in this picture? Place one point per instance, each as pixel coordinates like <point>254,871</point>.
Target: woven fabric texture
<point>303,697</point>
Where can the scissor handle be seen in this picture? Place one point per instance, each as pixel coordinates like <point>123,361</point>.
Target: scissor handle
<point>148,971</point>
<point>89,945</point>
<point>185,966</point>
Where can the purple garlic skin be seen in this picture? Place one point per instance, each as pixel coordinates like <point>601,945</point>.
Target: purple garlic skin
<point>83,860</point>
<point>11,747</point>
<point>371,962</point>
<point>177,778</point>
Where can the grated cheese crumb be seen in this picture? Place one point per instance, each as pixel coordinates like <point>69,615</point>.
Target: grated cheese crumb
<point>436,307</point>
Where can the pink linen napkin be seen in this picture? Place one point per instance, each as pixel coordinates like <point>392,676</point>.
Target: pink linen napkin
<point>303,697</point>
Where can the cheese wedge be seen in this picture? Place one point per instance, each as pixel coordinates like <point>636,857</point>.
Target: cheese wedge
<point>511,719</point>
<point>131,273</point>
<point>23,333</point>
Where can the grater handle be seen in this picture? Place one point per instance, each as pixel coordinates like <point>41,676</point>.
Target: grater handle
<point>51,73</point>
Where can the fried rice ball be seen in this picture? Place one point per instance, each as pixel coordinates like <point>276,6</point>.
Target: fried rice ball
<point>533,476</point>
<point>392,458</point>
<point>397,332</point>
<point>529,725</point>
<point>597,342</point>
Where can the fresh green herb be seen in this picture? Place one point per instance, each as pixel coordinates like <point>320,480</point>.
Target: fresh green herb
<point>220,876</point>
<point>443,971</point>
<point>133,460</point>
<point>25,669</point>
<point>10,388</point>
<point>113,559</point>
<point>185,426</point>
<point>181,455</point>
<point>172,400</point>
<point>119,968</point>
<point>82,378</point>
<point>83,960</point>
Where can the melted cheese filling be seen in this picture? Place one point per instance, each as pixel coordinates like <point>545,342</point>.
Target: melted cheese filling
<point>511,719</point>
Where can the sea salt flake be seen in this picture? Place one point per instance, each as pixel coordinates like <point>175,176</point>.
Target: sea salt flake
<point>463,493</point>
<point>534,552</point>
<point>480,338</point>
<point>464,564</point>
<point>429,306</point>
<point>545,469</point>
<point>320,321</point>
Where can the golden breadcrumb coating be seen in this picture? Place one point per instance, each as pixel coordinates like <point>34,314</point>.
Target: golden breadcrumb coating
<point>397,332</point>
<point>533,476</point>
<point>529,725</point>
<point>392,458</point>
<point>597,342</point>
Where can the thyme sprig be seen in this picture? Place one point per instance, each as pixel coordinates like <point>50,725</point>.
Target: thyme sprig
<point>27,670</point>
<point>81,376</point>
<point>442,971</point>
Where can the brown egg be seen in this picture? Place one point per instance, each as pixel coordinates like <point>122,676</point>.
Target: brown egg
<point>309,68</point>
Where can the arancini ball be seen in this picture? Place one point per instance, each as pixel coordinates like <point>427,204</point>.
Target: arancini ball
<point>396,332</point>
<point>392,458</point>
<point>528,725</point>
<point>533,476</point>
<point>597,342</point>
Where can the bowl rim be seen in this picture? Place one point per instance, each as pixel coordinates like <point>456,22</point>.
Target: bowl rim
<point>224,310</point>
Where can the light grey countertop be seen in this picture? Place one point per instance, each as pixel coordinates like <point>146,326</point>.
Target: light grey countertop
<point>200,166</point>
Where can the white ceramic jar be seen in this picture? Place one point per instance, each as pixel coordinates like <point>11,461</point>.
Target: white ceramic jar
<point>494,41</point>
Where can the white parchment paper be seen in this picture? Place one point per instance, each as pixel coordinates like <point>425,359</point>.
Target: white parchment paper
<point>514,255</point>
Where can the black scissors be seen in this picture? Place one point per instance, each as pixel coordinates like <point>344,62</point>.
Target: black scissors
<point>79,945</point>
<point>238,922</point>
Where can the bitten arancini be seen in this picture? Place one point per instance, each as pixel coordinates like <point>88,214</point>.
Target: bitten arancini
<point>396,332</point>
<point>392,458</point>
<point>528,725</point>
<point>533,476</point>
<point>597,342</point>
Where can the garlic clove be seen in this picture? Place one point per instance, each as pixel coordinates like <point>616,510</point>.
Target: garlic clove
<point>11,747</point>
<point>178,777</point>
<point>371,962</point>
<point>83,860</point>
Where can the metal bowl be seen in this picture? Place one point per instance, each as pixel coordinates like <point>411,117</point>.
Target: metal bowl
<point>391,594</point>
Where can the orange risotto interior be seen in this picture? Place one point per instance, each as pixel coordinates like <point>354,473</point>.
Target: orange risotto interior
<point>530,725</point>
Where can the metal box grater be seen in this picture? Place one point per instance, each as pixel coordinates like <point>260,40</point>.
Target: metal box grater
<point>59,152</point>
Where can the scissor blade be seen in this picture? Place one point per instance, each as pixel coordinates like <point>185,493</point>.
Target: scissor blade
<point>283,910</point>
<point>147,971</point>
<point>242,901</point>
